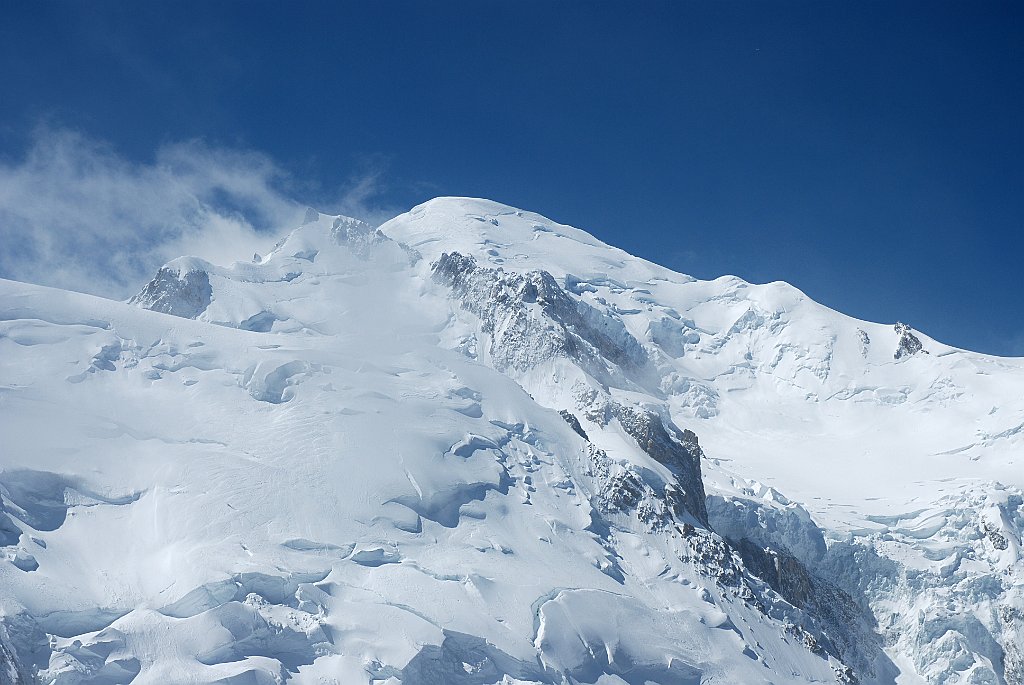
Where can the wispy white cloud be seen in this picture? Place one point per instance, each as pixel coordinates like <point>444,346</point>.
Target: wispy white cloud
<point>360,196</point>
<point>76,214</point>
<point>1015,346</point>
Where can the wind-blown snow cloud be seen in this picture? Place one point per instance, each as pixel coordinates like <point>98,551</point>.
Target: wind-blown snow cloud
<point>76,214</point>
<point>360,196</point>
<point>1016,345</point>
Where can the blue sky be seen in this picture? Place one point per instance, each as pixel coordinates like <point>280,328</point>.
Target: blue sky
<point>868,153</point>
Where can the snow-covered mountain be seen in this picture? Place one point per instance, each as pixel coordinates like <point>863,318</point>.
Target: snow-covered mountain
<point>477,446</point>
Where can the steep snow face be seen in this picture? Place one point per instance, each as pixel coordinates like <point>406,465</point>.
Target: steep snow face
<point>463,448</point>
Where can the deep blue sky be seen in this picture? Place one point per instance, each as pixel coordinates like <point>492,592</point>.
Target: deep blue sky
<point>868,153</point>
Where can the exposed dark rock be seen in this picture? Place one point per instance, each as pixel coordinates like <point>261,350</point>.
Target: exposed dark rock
<point>360,237</point>
<point>865,342</point>
<point>908,344</point>
<point>780,569</point>
<point>521,340</point>
<point>997,539</point>
<point>573,422</point>
<point>186,294</point>
<point>666,443</point>
<point>679,451</point>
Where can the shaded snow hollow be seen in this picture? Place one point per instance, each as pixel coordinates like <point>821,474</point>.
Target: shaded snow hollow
<point>474,445</point>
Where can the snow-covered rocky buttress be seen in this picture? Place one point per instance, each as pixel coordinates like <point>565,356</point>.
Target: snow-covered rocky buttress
<point>473,446</point>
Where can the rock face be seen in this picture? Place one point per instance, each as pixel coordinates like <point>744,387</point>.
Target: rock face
<point>573,422</point>
<point>665,443</point>
<point>359,236</point>
<point>908,344</point>
<point>520,340</point>
<point>177,290</point>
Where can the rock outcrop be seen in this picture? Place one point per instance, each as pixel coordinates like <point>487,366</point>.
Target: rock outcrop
<point>178,289</point>
<point>908,344</point>
<point>567,327</point>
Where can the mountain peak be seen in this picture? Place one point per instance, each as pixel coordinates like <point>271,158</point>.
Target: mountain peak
<point>500,235</point>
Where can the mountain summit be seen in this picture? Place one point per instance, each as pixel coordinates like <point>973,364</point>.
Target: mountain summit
<point>474,445</point>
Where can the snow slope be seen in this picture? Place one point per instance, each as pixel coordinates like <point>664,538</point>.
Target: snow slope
<point>463,448</point>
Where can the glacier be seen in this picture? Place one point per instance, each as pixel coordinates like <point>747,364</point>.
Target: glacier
<point>473,445</point>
